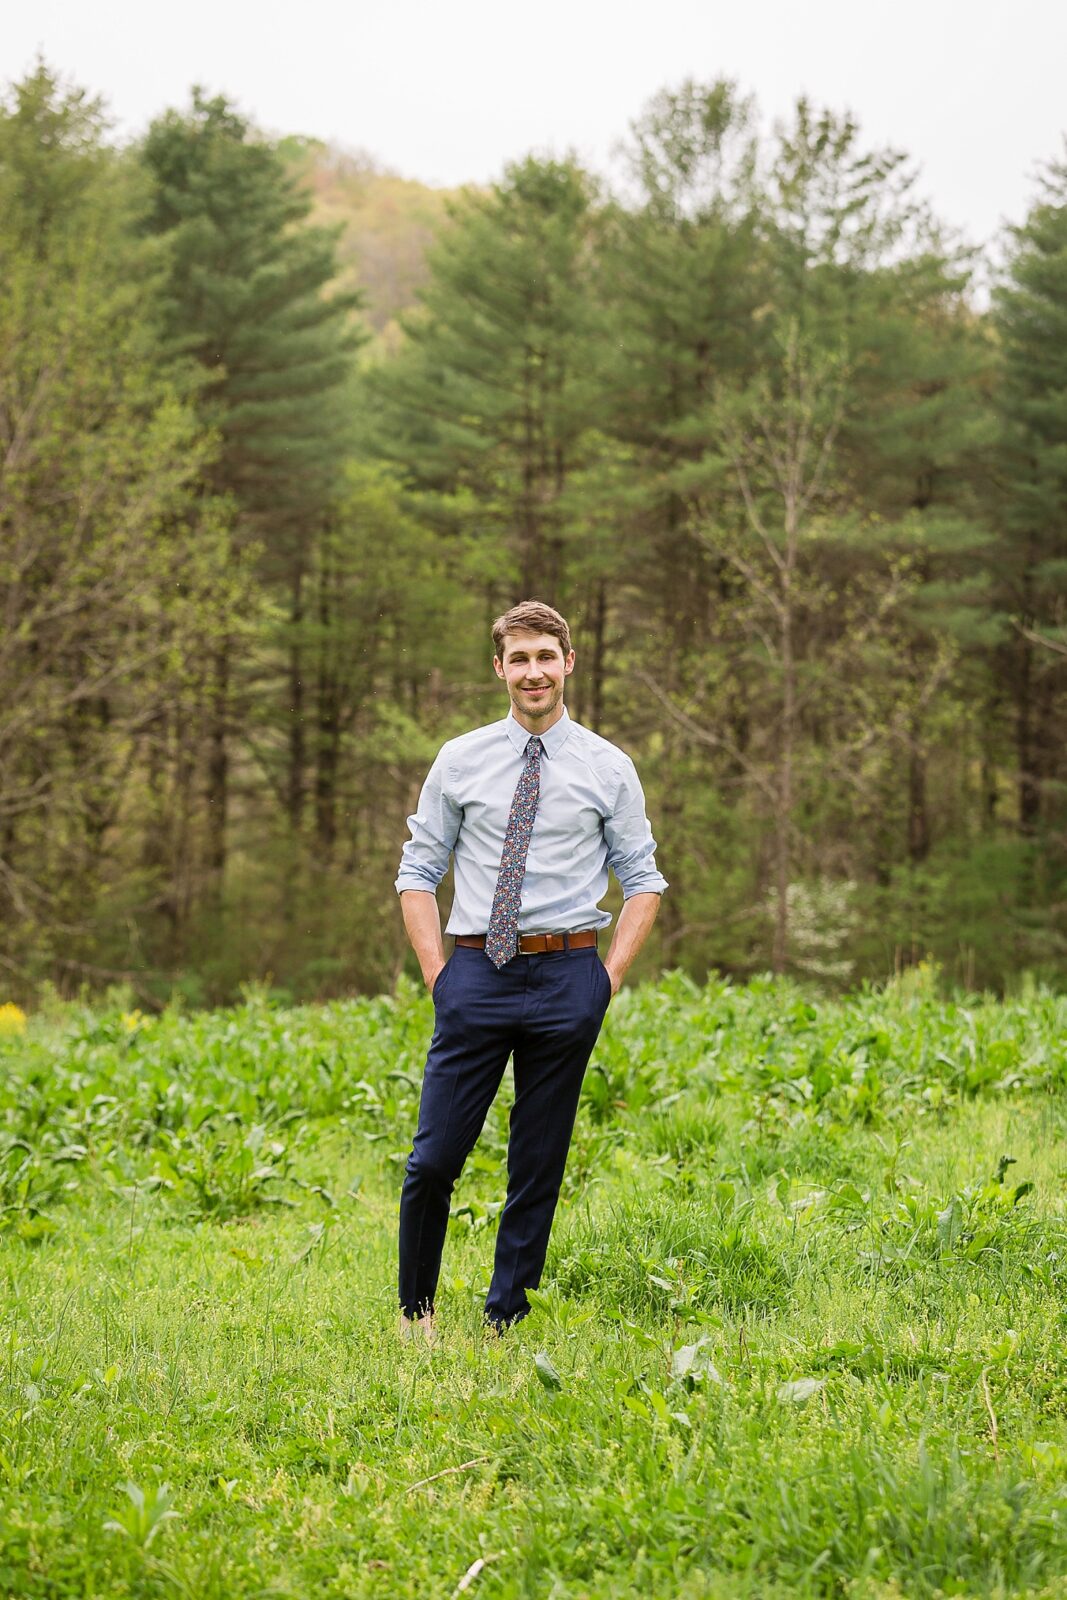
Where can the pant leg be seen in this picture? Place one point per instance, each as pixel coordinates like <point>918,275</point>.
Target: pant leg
<point>476,1012</point>
<point>560,1029</point>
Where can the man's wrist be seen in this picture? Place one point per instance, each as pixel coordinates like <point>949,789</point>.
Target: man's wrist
<point>616,974</point>
<point>431,974</point>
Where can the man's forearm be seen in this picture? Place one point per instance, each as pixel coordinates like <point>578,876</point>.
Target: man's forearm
<point>632,929</point>
<point>423,924</point>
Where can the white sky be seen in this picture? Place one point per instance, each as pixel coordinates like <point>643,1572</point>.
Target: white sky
<point>448,92</point>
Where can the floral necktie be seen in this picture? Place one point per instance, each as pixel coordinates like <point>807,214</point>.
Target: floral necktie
<point>502,936</point>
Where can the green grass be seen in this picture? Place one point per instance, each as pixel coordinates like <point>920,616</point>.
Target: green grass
<point>801,1331</point>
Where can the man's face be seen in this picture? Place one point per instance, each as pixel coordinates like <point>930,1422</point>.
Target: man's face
<point>534,669</point>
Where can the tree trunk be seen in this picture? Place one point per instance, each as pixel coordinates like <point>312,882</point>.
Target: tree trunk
<point>8,903</point>
<point>671,808</point>
<point>296,785</point>
<point>183,885</point>
<point>596,676</point>
<point>918,815</point>
<point>783,820</point>
<point>1026,732</point>
<point>989,789</point>
<point>530,553</point>
<point>328,724</point>
<point>218,769</point>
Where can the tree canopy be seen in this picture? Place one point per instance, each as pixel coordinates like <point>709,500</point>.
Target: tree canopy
<point>743,417</point>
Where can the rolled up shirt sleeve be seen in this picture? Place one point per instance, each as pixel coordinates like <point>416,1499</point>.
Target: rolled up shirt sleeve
<point>631,847</point>
<point>434,828</point>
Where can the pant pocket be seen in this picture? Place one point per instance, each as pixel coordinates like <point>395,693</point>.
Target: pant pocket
<point>438,982</point>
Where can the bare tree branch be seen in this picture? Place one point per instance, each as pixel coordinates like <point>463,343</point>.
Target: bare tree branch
<point>703,735</point>
<point>1057,648</point>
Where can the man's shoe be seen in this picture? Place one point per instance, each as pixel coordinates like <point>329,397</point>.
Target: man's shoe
<point>422,1328</point>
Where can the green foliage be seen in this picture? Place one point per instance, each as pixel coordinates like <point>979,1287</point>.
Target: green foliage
<point>245,300</point>
<point>114,565</point>
<point>148,1511</point>
<point>800,497</point>
<point>1031,314</point>
<point>489,405</point>
<point>808,1244</point>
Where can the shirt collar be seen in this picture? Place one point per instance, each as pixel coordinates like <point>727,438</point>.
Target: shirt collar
<point>552,740</point>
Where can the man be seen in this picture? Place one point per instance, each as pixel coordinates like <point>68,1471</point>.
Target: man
<point>534,809</point>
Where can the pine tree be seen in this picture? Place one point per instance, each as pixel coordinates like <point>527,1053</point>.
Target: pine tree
<point>114,567</point>
<point>248,302</point>
<point>683,276</point>
<point>788,397</point>
<point>682,280</point>
<point>1031,318</point>
<point>490,405</point>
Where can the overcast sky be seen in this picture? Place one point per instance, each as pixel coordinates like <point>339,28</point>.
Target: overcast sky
<point>450,91</point>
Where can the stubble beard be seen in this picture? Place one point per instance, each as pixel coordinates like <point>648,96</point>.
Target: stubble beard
<point>537,710</point>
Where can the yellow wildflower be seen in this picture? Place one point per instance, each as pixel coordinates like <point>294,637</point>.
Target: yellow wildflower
<point>12,1018</point>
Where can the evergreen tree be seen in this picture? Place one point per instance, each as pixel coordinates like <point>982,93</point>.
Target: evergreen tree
<point>489,406</point>
<point>393,650</point>
<point>248,302</point>
<point>862,262</point>
<point>683,275</point>
<point>776,554</point>
<point>739,422</point>
<point>109,557</point>
<point>1031,318</point>
<point>682,279</point>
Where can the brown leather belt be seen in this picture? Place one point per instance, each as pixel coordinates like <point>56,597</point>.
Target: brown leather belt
<point>535,944</point>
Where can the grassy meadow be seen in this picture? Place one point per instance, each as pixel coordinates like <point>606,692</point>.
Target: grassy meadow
<point>801,1331</point>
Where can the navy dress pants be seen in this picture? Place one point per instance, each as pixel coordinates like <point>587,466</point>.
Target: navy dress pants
<point>547,1011</point>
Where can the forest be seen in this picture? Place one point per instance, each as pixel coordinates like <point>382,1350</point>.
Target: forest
<point>789,454</point>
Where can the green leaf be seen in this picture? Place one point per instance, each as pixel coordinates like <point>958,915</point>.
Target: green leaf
<point>799,1390</point>
<point>547,1372</point>
<point>949,1223</point>
<point>693,1361</point>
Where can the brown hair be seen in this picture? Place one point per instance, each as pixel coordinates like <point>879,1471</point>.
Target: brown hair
<point>531,616</point>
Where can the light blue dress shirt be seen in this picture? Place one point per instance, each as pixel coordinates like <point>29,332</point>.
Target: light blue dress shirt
<point>590,816</point>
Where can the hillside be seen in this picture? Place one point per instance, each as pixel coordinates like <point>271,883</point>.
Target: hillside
<point>389,224</point>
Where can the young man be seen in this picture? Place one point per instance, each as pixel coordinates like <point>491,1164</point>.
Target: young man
<point>534,809</point>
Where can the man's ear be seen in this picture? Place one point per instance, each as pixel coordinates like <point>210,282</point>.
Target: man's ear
<point>568,665</point>
<point>497,667</point>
